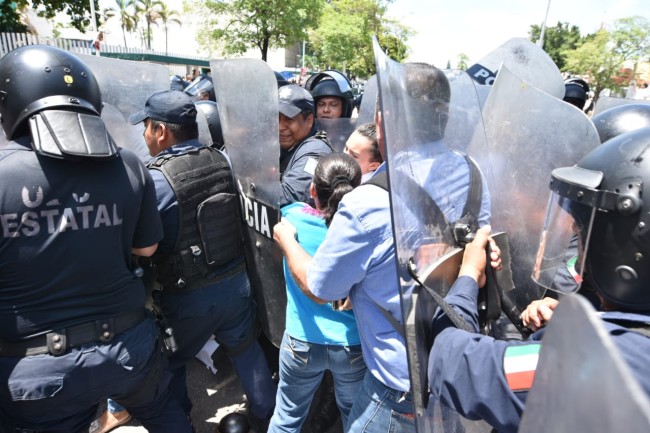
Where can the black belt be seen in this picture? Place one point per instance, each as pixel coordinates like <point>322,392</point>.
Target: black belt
<point>58,342</point>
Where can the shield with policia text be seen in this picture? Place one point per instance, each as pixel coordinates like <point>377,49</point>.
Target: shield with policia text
<point>582,382</point>
<point>529,133</point>
<point>439,197</point>
<point>248,108</point>
<point>526,60</point>
<point>125,87</point>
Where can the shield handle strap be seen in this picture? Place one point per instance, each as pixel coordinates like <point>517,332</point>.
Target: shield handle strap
<point>455,318</point>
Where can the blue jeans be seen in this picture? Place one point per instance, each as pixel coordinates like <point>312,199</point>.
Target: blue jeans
<point>60,394</point>
<point>380,409</point>
<point>227,311</point>
<point>301,370</point>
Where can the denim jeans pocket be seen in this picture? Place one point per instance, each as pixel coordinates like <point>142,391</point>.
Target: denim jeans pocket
<point>401,423</point>
<point>299,351</point>
<point>355,357</point>
<point>35,388</point>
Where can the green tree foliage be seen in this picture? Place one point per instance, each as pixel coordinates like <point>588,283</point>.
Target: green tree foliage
<point>462,62</point>
<point>343,39</point>
<point>602,56</point>
<point>77,10</point>
<point>238,25</point>
<point>10,17</point>
<point>557,40</point>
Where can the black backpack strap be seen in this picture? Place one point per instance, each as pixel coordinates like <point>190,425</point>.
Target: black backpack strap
<point>381,180</point>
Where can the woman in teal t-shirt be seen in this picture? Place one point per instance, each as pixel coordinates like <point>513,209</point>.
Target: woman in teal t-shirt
<point>318,337</point>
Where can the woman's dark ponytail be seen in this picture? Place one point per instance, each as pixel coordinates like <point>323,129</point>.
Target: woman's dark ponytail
<point>336,174</point>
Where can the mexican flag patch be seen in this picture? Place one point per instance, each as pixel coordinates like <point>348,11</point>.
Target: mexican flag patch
<point>519,365</point>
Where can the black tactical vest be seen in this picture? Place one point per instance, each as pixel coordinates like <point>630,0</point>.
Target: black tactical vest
<point>210,230</point>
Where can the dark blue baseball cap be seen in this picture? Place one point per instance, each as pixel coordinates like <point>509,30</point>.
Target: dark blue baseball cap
<point>293,99</point>
<point>170,106</point>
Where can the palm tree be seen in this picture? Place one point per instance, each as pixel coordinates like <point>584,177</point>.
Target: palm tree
<point>168,16</point>
<point>126,12</point>
<point>150,9</point>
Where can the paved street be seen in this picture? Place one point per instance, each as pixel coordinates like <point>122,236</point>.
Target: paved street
<point>215,395</point>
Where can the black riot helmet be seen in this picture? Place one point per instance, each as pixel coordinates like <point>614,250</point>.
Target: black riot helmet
<point>177,83</point>
<point>234,423</point>
<point>600,207</point>
<point>621,119</point>
<point>332,83</point>
<point>201,85</point>
<point>576,92</point>
<point>210,110</point>
<point>35,78</point>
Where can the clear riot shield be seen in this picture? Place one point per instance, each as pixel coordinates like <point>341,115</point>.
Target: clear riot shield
<point>338,131</point>
<point>368,102</point>
<point>248,107</point>
<point>526,60</point>
<point>529,134</point>
<point>582,383</point>
<point>428,178</point>
<point>606,102</point>
<point>125,87</point>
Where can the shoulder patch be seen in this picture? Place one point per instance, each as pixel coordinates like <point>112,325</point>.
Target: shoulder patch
<point>519,365</point>
<point>310,165</point>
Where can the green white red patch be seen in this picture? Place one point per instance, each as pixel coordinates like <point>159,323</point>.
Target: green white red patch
<point>571,267</point>
<point>519,365</point>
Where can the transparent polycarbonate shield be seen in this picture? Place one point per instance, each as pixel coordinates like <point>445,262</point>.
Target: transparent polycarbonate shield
<point>248,108</point>
<point>529,134</point>
<point>430,182</point>
<point>607,102</point>
<point>125,87</point>
<point>338,131</point>
<point>526,60</point>
<point>582,383</point>
<point>368,102</point>
<point>204,129</point>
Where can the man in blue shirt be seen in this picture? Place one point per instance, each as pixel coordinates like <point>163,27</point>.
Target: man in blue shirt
<point>358,259</point>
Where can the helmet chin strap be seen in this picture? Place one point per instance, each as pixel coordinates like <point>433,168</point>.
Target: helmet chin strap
<point>70,135</point>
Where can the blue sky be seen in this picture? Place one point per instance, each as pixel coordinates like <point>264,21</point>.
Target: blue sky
<point>446,28</point>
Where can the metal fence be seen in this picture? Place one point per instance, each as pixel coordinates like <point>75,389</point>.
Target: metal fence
<point>177,64</point>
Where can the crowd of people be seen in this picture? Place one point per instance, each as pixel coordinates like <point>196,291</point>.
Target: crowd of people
<point>83,218</point>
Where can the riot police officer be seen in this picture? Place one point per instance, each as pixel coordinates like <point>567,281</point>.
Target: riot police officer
<point>332,93</point>
<point>210,110</point>
<point>200,265</point>
<point>73,328</point>
<point>597,211</point>
<point>201,88</point>
<point>300,149</point>
<point>576,92</point>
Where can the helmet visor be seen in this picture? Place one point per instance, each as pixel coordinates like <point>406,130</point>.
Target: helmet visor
<point>198,86</point>
<point>563,245</point>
